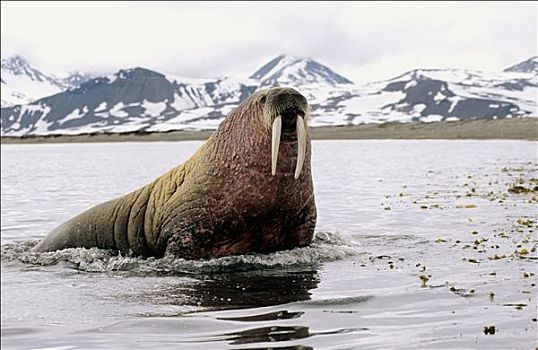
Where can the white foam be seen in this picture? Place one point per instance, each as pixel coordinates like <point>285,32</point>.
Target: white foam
<point>327,246</point>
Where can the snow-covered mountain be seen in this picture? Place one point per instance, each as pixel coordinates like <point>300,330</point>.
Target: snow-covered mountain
<point>139,99</point>
<point>528,66</point>
<point>130,100</point>
<point>290,70</point>
<point>75,79</point>
<point>22,83</point>
<point>439,94</point>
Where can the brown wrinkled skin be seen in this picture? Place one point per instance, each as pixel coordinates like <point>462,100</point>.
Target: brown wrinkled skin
<point>222,201</point>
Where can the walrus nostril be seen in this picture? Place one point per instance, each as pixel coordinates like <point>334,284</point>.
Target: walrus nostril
<point>290,113</point>
<point>289,120</point>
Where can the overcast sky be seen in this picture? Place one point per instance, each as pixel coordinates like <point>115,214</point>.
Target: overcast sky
<point>362,41</point>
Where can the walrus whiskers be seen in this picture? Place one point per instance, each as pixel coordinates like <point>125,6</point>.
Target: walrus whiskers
<point>275,143</point>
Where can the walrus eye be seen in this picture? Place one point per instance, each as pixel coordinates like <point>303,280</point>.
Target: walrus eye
<point>263,98</point>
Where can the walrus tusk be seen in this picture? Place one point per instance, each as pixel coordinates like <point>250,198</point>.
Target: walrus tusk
<point>275,143</point>
<point>301,146</point>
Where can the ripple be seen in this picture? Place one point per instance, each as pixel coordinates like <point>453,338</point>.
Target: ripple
<point>273,334</point>
<point>340,301</point>
<point>327,246</point>
<point>18,331</point>
<point>270,316</point>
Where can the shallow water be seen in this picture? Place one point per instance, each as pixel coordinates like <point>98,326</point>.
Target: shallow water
<point>419,244</point>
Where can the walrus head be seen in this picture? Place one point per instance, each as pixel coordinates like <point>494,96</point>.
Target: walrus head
<point>285,113</point>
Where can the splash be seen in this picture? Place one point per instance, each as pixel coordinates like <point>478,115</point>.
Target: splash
<point>327,246</point>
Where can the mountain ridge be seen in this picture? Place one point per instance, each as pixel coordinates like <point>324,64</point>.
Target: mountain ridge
<point>284,69</point>
<point>140,99</point>
<point>528,66</point>
<point>22,83</point>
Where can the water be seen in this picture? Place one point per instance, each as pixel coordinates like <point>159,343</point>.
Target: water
<point>419,244</point>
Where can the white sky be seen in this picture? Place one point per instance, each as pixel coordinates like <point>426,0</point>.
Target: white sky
<point>362,41</point>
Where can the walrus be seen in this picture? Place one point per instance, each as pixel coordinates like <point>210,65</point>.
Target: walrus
<point>248,188</point>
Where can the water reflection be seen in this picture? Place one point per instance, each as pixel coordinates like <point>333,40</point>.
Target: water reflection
<point>268,334</point>
<point>270,316</point>
<point>272,334</point>
<point>236,290</point>
<point>224,291</point>
<point>293,347</point>
<point>245,290</point>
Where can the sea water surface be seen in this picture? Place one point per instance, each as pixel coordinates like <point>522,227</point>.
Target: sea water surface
<point>419,245</point>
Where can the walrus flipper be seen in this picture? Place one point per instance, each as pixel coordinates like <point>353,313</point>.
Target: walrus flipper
<point>86,230</point>
<point>118,224</point>
<point>129,224</point>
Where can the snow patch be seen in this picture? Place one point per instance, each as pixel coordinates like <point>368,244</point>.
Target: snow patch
<point>225,110</point>
<point>431,118</point>
<point>190,119</point>
<point>112,78</point>
<point>371,103</point>
<point>153,109</point>
<point>439,96</point>
<point>454,101</point>
<point>116,111</point>
<point>417,109</point>
<point>181,103</point>
<point>101,107</point>
<point>75,114</point>
<point>410,84</point>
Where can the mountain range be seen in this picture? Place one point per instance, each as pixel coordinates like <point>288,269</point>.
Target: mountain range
<point>21,83</point>
<point>139,99</point>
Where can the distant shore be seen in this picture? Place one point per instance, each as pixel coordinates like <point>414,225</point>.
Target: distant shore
<point>515,128</point>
